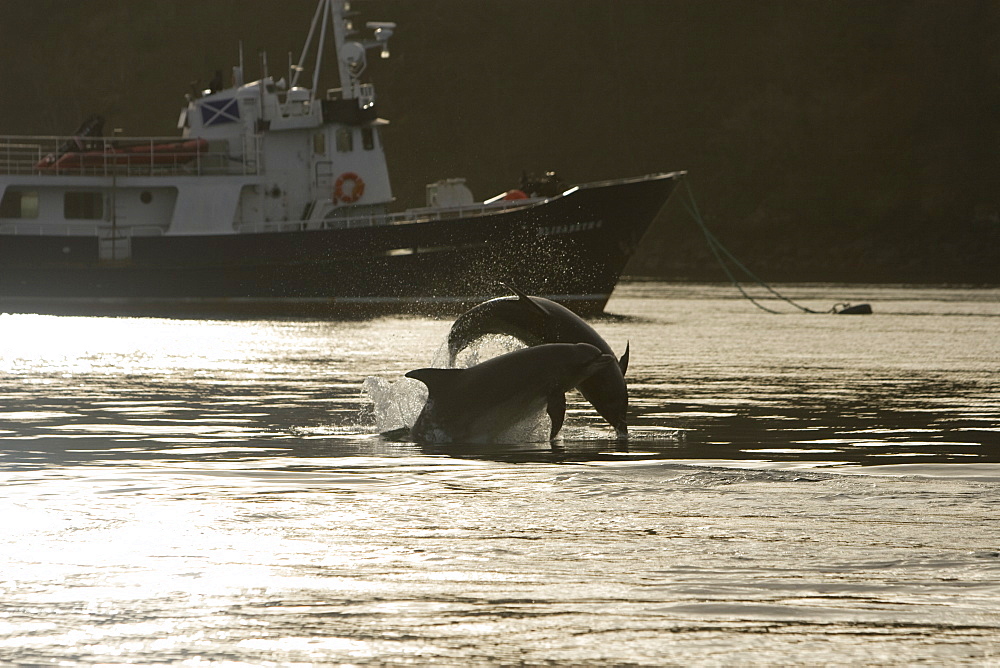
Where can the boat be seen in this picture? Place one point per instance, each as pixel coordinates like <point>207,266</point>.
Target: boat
<point>275,198</point>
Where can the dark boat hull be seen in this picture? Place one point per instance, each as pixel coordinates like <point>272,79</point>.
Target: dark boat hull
<point>571,248</point>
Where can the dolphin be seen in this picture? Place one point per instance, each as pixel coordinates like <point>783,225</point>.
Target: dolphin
<point>477,404</point>
<point>536,320</point>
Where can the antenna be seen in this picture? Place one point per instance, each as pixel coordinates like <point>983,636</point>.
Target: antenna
<point>291,67</point>
<point>238,71</point>
<point>383,31</point>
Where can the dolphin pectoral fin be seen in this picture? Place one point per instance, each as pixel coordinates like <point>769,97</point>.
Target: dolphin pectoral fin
<point>623,361</point>
<point>557,411</point>
<point>435,379</point>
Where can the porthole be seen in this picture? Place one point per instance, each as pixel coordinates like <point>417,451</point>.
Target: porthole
<point>146,197</point>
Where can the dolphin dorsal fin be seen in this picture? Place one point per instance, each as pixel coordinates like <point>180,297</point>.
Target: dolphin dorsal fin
<point>525,298</point>
<point>623,361</point>
<point>435,379</point>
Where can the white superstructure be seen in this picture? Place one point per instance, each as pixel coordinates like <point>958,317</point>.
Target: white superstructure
<point>260,156</point>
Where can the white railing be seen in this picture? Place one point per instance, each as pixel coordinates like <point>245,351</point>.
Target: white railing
<point>121,156</point>
<point>422,215</point>
<point>76,230</point>
<point>365,91</point>
<point>411,216</point>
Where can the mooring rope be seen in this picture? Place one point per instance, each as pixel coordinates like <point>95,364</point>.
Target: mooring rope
<point>718,250</point>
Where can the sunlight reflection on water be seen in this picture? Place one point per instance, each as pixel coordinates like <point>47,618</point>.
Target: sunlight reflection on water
<point>799,489</point>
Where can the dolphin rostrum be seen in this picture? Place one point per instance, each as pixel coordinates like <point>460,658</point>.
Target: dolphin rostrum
<point>536,320</point>
<point>477,404</point>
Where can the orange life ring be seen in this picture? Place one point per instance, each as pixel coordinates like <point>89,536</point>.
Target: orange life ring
<point>355,191</point>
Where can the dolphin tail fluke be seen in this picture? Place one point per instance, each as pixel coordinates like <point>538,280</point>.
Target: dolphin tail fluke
<point>623,361</point>
<point>557,412</point>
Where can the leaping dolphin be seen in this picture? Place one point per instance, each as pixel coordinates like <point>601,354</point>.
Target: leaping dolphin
<point>477,404</point>
<point>536,320</point>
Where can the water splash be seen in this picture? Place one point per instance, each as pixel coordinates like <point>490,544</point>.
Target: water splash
<point>396,404</point>
<point>480,350</point>
<point>534,428</point>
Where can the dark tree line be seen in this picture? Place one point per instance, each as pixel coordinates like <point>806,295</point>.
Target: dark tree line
<point>825,139</point>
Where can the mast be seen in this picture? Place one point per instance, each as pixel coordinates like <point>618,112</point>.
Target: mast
<point>351,53</point>
<point>346,57</point>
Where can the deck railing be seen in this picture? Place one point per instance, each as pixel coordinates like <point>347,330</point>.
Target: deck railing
<point>35,228</point>
<point>131,156</point>
<point>104,229</point>
<point>423,215</point>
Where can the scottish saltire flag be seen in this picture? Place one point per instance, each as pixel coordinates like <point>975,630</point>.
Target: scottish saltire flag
<point>216,112</point>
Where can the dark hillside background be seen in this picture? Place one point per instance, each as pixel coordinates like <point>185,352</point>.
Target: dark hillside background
<point>825,139</point>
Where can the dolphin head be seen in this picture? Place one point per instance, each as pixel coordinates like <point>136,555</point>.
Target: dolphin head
<point>621,426</point>
<point>604,387</point>
<point>602,382</point>
<point>607,388</point>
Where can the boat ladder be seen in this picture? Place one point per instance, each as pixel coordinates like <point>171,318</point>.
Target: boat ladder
<point>113,244</point>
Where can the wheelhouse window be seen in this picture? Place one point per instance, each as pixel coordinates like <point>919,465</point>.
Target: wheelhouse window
<point>83,206</point>
<point>368,138</point>
<point>19,204</point>
<point>345,140</point>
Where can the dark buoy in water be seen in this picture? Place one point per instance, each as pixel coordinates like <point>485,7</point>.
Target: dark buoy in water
<point>848,309</point>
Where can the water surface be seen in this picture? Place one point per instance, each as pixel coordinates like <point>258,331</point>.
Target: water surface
<point>799,488</point>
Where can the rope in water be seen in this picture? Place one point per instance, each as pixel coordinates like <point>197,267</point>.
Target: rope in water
<point>721,252</point>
